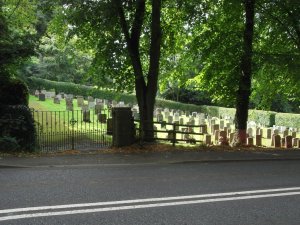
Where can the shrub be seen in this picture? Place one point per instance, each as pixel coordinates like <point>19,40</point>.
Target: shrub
<point>8,144</point>
<point>287,119</point>
<point>13,92</point>
<point>266,118</point>
<point>16,122</point>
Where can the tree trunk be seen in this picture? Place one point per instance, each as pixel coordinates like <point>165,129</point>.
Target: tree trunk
<point>244,90</point>
<point>145,91</point>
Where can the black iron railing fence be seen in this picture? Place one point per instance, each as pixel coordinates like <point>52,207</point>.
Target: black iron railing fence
<point>64,130</point>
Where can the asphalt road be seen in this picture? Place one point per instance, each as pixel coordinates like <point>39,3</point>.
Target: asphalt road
<point>268,193</point>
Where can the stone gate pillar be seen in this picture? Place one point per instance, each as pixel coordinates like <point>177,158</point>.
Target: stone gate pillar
<point>123,126</point>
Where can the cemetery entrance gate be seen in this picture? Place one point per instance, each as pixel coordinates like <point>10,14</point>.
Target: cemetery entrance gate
<point>73,130</point>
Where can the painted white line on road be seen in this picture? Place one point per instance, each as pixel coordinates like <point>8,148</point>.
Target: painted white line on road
<point>81,205</point>
<point>116,208</point>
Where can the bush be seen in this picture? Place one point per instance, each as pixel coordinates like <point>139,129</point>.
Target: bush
<point>266,118</point>
<point>287,119</point>
<point>13,92</point>
<point>8,144</point>
<point>16,122</point>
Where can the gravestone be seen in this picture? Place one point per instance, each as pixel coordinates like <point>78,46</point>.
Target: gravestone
<point>170,119</point>
<point>223,138</point>
<point>69,104</point>
<point>84,107</point>
<point>109,122</point>
<point>71,96</point>
<point>194,114</point>
<point>121,104</point>
<point>250,132</point>
<point>192,121</point>
<point>250,141</point>
<point>136,116</point>
<point>212,122</point>
<point>98,108</point>
<point>294,134</point>
<point>277,141</point>
<point>90,99</point>
<point>203,128</point>
<point>166,114</point>
<point>59,96</point>
<point>98,101</point>
<point>80,101</point>
<point>181,120</point>
<point>285,133</point>
<point>222,124</point>
<point>216,135</point>
<point>56,100</point>
<point>276,131</point>
<point>288,141</point>
<point>258,140</point>
<point>91,105</point>
<point>214,128</point>
<point>86,116</point>
<point>207,139</point>
<point>231,136</point>
<point>159,118</point>
<point>36,93</point>
<point>42,97</point>
<point>176,116</point>
<point>294,142</point>
<point>187,113</point>
<point>102,118</point>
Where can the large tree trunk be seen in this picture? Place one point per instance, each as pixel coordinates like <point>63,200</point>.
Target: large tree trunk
<point>244,90</point>
<point>145,91</point>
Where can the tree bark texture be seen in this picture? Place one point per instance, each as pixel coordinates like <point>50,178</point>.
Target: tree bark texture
<point>244,89</point>
<point>145,83</point>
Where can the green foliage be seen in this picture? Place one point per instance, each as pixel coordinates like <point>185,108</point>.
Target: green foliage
<point>16,122</point>
<point>8,144</point>
<point>287,119</point>
<point>13,92</point>
<point>187,96</point>
<point>266,118</point>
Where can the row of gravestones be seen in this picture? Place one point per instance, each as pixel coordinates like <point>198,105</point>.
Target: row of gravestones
<point>216,130</point>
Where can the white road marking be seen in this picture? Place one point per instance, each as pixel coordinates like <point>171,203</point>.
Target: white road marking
<point>153,205</point>
<point>39,208</point>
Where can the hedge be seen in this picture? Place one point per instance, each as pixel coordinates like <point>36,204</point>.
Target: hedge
<point>266,118</point>
<point>287,119</point>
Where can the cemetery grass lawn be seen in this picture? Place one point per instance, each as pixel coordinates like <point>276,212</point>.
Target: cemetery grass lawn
<point>48,104</point>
